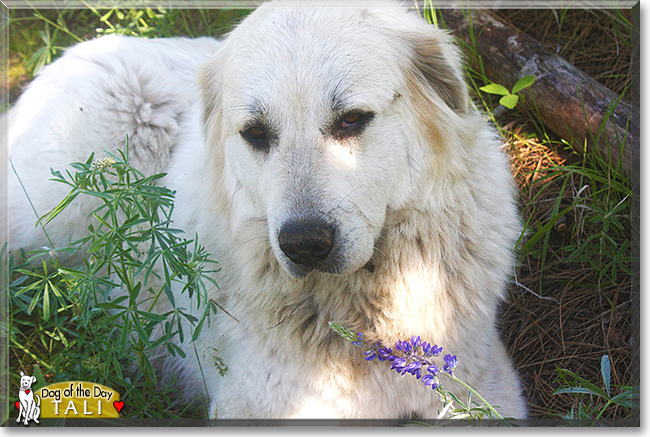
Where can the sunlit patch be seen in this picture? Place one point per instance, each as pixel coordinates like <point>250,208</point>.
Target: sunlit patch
<point>342,153</point>
<point>313,408</point>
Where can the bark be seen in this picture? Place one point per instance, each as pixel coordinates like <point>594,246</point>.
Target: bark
<point>570,103</point>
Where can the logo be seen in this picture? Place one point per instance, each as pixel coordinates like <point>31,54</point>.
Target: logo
<point>28,403</point>
<point>66,400</point>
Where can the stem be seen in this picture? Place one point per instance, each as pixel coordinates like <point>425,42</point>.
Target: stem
<point>475,393</point>
<point>30,203</point>
<point>603,410</point>
<point>56,26</point>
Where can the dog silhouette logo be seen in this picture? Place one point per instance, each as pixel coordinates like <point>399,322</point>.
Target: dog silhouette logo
<point>28,403</point>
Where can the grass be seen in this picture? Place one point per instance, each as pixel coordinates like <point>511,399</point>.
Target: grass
<point>570,302</point>
<point>36,37</point>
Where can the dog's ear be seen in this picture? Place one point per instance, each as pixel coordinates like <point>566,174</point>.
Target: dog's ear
<point>210,86</point>
<point>33,380</point>
<point>210,75</point>
<point>436,62</point>
<point>21,373</point>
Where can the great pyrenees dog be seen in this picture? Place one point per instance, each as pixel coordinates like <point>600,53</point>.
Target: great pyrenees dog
<point>330,159</point>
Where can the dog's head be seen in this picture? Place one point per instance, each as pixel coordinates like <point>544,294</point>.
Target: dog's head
<point>26,381</point>
<point>319,119</point>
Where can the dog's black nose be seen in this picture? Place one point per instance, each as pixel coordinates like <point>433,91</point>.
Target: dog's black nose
<point>306,242</point>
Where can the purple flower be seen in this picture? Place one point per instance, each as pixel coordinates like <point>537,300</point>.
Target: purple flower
<point>403,346</point>
<point>431,380</point>
<point>370,354</point>
<point>450,363</point>
<point>384,353</point>
<point>412,356</point>
<point>413,367</point>
<point>359,341</point>
<point>398,364</point>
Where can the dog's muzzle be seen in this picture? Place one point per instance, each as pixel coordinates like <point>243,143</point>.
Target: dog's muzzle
<point>307,243</point>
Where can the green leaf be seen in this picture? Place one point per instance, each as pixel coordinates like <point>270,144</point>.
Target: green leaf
<point>152,316</point>
<point>509,101</point>
<point>584,385</point>
<point>142,334</point>
<point>495,88</point>
<point>199,327</point>
<point>107,15</point>
<point>629,398</point>
<point>605,369</point>
<point>573,390</point>
<point>46,302</point>
<point>40,380</point>
<point>522,83</point>
<point>50,215</point>
<point>124,334</point>
<point>169,294</point>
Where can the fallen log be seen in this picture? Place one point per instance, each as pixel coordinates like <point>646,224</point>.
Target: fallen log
<point>569,103</point>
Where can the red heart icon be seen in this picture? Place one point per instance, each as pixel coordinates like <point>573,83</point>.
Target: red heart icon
<point>27,391</point>
<point>118,405</point>
<point>17,404</point>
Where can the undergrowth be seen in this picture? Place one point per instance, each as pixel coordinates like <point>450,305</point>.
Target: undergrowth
<point>90,320</point>
<point>570,304</point>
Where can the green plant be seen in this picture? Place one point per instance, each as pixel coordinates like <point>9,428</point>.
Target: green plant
<point>103,315</point>
<point>510,98</point>
<point>592,401</point>
<point>133,22</point>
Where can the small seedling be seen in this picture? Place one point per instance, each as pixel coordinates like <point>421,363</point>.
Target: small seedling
<point>510,98</point>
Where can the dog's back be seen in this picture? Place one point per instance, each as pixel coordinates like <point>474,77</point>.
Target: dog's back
<point>96,97</point>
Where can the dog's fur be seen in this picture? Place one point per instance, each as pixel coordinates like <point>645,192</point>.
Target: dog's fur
<point>29,402</point>
<point>419,201</point>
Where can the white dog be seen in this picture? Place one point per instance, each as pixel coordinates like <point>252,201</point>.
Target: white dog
<point>332,162</point>
<point>30,408</point>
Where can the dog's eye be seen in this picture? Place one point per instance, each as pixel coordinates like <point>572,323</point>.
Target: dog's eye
<point>350,120</point>
<point>257,136</point>
<point>351,124</point>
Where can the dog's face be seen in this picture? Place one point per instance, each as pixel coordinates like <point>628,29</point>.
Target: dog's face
<point>309,115</point>
<point>26,381</point>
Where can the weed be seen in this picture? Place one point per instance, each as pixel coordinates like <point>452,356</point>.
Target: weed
<point>95,319</point>
<point>592,401</point>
